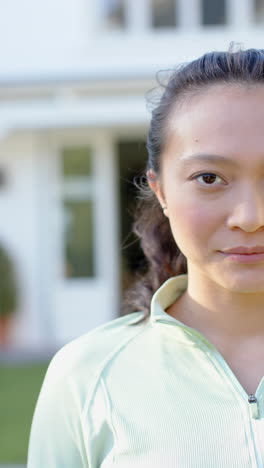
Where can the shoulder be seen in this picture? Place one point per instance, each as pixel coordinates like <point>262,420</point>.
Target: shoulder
<point>73,387</point>
<point>86,356</point>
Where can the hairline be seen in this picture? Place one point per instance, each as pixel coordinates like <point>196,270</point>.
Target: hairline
<point>191,92</point>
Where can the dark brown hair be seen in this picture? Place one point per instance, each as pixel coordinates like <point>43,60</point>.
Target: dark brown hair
<point>151,226</point>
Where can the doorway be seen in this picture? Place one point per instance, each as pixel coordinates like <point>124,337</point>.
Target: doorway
<point>132,159</point>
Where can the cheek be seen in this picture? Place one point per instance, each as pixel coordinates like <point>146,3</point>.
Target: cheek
<point>193,225</point>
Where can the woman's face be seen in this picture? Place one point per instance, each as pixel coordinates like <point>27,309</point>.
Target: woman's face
<point>212,182</point>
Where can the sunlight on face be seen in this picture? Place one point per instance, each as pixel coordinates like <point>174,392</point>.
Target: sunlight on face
<point>212,182</point>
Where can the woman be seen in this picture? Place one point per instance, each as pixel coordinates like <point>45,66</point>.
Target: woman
<point>179,383</point>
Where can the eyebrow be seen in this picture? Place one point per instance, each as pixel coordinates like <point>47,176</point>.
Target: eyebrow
<point>212,158</point>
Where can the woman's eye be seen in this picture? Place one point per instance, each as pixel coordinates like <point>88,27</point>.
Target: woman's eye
<point>208,178</point>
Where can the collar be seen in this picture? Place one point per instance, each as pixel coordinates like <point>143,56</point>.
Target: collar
<point>165,296</point>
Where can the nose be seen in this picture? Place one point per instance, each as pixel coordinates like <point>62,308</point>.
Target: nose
<point>247,210</point>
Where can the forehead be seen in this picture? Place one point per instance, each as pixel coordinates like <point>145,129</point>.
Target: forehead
<point>222,119</point>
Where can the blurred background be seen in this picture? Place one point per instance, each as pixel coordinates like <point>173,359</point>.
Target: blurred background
<point>73,120</point>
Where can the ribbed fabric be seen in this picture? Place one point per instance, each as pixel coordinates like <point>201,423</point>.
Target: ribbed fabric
<point>151,395</point>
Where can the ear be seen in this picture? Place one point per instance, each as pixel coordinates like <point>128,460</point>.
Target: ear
<point>155,185</point>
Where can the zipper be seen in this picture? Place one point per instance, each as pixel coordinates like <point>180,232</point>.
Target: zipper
<point>254,412</point>
<point>251,399</point>
<point>253,406</point>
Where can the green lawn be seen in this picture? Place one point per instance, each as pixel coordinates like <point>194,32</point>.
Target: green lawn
<point>19,389</point>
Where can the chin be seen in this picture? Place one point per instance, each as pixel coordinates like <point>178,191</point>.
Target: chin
<point>243,282</point>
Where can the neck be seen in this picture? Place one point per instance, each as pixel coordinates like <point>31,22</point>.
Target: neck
<point>214,310</point>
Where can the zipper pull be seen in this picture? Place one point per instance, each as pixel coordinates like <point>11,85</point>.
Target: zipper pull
<point>253,406</point>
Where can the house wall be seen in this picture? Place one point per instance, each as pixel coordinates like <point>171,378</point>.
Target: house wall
<point>46,40</point>
<point>19,230</point>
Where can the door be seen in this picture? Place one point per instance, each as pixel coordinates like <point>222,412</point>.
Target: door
<point>132,159</point>
<point>85,287</point>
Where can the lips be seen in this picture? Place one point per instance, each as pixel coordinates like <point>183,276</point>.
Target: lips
<point>243,250</point>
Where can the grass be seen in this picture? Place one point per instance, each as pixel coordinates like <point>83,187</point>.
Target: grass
<point>19,389</point>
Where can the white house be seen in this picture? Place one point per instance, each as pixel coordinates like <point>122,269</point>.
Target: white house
<point>73,79</point>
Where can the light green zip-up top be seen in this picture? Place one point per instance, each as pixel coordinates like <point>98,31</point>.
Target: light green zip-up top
<point>151,395</point>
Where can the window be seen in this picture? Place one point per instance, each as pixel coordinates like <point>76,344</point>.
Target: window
<point>78,238</point>
<point>114,13</point>
<point>77,209</point>
<point>213,12</point>
<point>76,162</point>
<point>259,11</point>
<point>163,13</point>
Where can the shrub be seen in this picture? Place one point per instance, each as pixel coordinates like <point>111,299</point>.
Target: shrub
<point>8,284</point>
